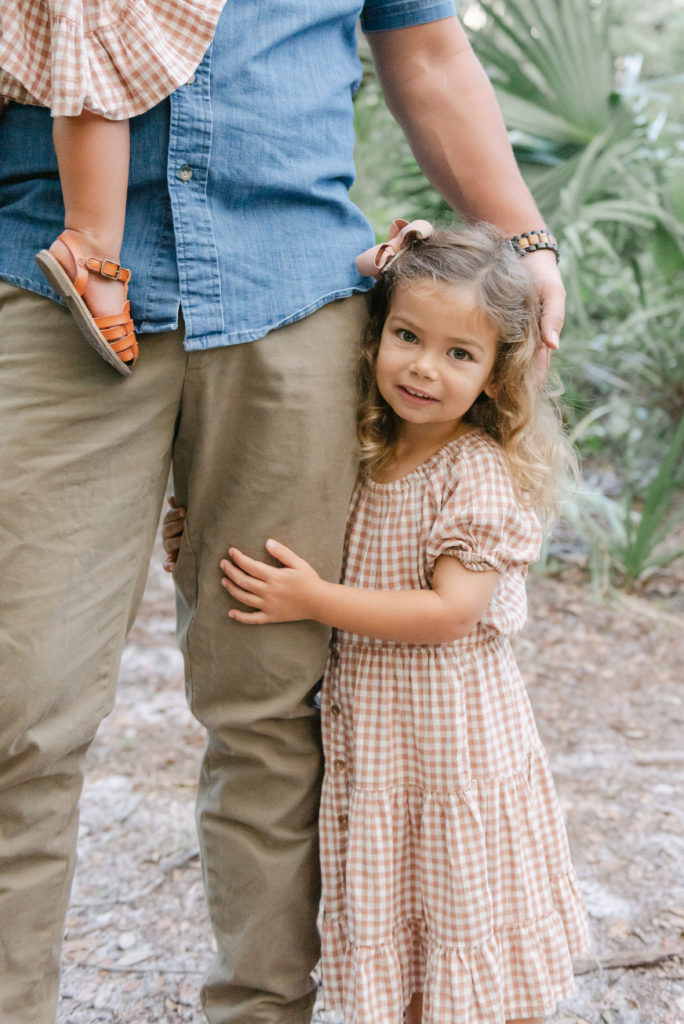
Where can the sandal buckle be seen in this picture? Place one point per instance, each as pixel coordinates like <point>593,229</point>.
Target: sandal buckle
<point>106,273</point>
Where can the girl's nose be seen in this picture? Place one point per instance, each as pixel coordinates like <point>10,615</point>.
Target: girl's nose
<point>423,366</point>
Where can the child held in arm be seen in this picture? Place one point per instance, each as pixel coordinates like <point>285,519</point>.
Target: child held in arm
<point>448,891</point>
<point>96,64</point>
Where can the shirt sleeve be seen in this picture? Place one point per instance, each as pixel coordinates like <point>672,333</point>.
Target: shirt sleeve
<point>380,15</point>
<point>481,522</point>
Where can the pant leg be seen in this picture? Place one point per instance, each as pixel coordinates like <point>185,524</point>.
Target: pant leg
<point>84,458</point>
<point>266,449</point>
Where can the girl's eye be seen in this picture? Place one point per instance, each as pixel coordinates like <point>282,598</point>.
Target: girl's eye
<point>459,353</point>
<point>405,335</point>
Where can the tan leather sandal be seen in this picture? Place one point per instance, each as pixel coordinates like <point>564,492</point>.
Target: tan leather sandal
<point>112,336</point>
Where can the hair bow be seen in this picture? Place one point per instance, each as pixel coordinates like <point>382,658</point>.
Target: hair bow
<point>372,262</point>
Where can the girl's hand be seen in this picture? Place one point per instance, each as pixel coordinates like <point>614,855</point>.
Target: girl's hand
<point>172,534</point>
<point>284,594</point>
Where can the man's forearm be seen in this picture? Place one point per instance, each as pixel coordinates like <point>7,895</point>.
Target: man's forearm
<point>439,93</point>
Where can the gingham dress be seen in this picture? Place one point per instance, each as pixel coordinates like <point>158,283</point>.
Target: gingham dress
<point>445,861</point>
<point>116,58</point>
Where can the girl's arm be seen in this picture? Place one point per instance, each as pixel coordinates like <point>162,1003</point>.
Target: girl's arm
<point>293,591</point>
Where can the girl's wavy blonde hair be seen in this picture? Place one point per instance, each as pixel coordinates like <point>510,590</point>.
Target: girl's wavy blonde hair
<point>523,417</point>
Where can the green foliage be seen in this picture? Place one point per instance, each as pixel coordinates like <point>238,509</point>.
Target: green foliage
<point>597,131</point>
<point>647,531</point>
<point>626,539</point>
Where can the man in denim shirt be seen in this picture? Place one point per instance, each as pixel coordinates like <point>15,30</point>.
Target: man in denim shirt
<point>241,238</point>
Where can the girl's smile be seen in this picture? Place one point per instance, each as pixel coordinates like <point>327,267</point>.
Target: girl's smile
<point>436,355</point>
<point>420,397</point>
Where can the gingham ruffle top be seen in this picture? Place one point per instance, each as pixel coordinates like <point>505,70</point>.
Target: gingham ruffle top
<point>445,861</point>
<point>116,58</point>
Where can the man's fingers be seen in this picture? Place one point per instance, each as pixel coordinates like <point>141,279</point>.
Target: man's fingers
<point>548,284</point>
<point>542,358</point>
<point>552,296</point>
<point>551,325</point>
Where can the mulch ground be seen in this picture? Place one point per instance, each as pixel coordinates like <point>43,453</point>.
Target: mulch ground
<point>605,679</point>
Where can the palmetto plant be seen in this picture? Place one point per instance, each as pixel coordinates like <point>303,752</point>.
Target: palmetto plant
<point>588,149</point>
<point>589,155</point>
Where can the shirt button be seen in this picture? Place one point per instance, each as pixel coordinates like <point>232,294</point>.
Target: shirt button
<point>335,710</point>
<point>192,79</point>
<point>343,820</point>
<point>338,765</point>
<point>185,173</point>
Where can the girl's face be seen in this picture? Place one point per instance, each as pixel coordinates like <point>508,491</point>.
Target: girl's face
<point>436,355</point>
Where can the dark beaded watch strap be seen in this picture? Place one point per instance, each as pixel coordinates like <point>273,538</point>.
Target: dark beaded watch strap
<point>530,241</point>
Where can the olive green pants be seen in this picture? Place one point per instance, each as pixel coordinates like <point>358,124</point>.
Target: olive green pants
<point>260,438</point>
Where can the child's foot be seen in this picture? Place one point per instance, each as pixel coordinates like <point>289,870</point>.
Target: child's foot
<point>102,295</point>
<point>95,289</point>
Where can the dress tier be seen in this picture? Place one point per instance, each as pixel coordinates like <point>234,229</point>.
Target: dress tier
<point>116,58</point>
<point>445,860</point>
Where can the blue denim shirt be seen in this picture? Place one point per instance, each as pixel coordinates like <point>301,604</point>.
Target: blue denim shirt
<point>238,206</point>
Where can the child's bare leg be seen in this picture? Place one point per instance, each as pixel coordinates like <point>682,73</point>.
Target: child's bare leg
<point>93,156</point>
<point>414,1010</point>
<point>526,1020</point>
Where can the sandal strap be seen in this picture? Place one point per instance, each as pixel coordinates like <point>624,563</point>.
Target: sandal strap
<point>108,268</point>
<point>97,265</point>
<point>118,329</point>
<point>119,332</point>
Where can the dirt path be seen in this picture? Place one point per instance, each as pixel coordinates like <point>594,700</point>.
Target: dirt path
<point>606,684</point>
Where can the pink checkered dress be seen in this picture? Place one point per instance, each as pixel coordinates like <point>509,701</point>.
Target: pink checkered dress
<point>445,861</point>
<point>116,58</point>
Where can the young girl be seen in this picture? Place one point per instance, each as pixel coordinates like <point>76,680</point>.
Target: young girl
<point>448,892</point>
<point>96,64</point>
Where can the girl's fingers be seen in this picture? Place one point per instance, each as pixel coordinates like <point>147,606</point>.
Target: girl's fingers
<point>173,521</point>
<point>242,579</point>
<point>251,566</point>
<point>243,596</point>
<point>248,618</point>
<point>172,530</point>
<point>283,554</point>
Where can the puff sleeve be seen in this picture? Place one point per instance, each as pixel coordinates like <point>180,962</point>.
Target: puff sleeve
<point>481,521</point>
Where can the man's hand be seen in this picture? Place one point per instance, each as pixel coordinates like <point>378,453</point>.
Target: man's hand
<point>172,534</point>
<point>280,594</point>
<point>549,286</point>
